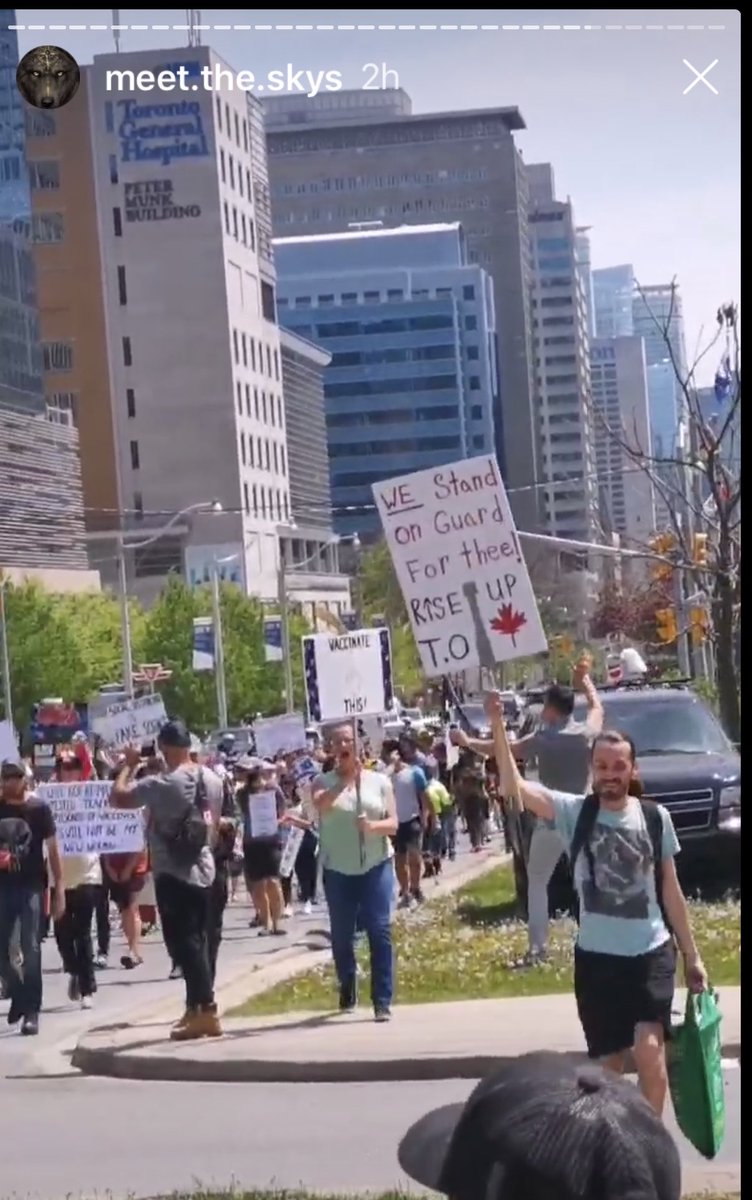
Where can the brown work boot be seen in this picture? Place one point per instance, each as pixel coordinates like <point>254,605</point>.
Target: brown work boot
<point>183,1021</point>
<point>200,1023</point>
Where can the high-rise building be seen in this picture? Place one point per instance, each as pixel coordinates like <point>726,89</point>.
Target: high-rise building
<point>329,170</point>
<point>561,349</point>
<point>613,299</point>
<point>584,262</point>
<point>409,326</point>
<point>41,507</point>
<point>622,434</point>
<point>303,366</point>
<point>658,317</point>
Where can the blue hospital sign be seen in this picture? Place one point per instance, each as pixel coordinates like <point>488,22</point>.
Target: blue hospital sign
<point>160,133</point>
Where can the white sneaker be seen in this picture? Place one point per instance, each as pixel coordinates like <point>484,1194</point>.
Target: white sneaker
<point>287,912</point>
<point>87,1002</point>
<point>307,908</point>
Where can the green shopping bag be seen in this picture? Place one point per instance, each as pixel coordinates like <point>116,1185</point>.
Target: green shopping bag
<point>696,1074</point>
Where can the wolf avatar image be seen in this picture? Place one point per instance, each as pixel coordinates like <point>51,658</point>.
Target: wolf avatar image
<point>48,77</point>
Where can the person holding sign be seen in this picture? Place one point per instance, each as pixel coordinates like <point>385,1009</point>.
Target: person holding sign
<point>82,879</point>
<point>357,819</point>
<point>262,806</point>
<point>633,913</point>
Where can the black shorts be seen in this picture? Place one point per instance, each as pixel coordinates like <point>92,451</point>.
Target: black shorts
<point>615,994</point>
<point>261,860</point>
<point>409,836</point>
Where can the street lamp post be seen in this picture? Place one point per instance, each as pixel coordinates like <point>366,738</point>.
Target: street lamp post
<point>284,613</point>
<point>125,616</point>
<point>220,678</point>
<point>7,698</point>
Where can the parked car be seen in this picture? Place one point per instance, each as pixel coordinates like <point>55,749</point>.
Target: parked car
<point>686,762</point>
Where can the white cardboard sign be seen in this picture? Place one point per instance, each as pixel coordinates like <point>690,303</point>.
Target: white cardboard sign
<point>458,560</point>
<point>85,822</point>
<point>263,821</point>
<point>131,721</point>
<point>279,735</point>
<point>348,675</point>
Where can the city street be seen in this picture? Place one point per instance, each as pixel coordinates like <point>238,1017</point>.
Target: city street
<point>147,1139</point>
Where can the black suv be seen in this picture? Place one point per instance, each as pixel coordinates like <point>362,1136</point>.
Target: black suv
<point>686,763</point>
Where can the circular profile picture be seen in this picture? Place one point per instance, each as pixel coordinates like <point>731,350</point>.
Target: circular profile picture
<point>48,77</point>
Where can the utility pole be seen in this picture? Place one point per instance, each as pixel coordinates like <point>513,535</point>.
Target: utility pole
<point>7,698</point>
<point>219,651</point>
<point>284,621</point>
<point>125,624</point>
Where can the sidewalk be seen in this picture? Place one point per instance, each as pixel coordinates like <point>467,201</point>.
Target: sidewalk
<point>464,1040</point>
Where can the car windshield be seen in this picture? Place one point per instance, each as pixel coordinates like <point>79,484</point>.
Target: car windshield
<point>666,725</point>
<point>475,714</point>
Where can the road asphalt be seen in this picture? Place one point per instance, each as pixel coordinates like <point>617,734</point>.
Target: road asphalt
<point>67,1136</point>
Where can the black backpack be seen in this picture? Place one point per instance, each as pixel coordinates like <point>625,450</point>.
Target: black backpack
<point>191,834</point>
<point>583,830</point>
<point>15,843</point>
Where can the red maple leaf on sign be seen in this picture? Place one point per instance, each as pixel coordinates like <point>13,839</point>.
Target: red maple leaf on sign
<point>508,621</point>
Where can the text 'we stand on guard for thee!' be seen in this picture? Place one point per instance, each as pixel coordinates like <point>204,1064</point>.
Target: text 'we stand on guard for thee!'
<point>458,560</point>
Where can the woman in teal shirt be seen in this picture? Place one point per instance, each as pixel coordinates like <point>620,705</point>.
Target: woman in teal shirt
<point>357,818</point>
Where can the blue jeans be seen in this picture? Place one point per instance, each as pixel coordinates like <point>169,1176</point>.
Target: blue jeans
<point>21,907</point>
<point>368,899</point>
<point>448,819</point>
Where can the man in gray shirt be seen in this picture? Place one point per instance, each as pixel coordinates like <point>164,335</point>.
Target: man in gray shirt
<point>561,748</point>
<point>183,882</point>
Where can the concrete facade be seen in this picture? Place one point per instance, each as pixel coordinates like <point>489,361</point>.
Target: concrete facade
<point>193,344</point>
<point>328,172</point>
<point>620,396</point>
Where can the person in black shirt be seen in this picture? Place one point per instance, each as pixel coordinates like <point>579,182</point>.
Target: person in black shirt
<point>27,828</point>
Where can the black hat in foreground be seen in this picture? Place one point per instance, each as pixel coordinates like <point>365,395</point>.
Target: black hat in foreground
<point>544,1128</point>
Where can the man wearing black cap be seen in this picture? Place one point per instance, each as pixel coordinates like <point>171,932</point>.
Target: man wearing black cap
<point>27,829</point>
<point>544,1128</point>
<point>182,863</point>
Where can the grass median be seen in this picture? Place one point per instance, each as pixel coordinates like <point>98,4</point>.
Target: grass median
<point>468,947</point>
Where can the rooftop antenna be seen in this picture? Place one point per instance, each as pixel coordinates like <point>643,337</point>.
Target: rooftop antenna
<point>116,28</point>
<point>194,22</point>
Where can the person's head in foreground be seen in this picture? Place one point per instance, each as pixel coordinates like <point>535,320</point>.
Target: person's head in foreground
<point>614,768</point>
<point>545,1128</point>
<point>174,744</point>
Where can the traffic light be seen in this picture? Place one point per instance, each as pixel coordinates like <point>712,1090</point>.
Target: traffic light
<point>665,623</point>
<point>663,544</point>
<point>698,626</point>
<point>700,550</point>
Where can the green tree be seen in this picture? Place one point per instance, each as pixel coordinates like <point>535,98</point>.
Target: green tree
<point>381,595</point>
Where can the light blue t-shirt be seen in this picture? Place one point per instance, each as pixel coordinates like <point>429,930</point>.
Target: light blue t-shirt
<point>619,915</point>
<point>408,783</point>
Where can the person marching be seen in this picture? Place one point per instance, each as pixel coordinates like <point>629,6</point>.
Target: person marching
<point>357,819</point>
<point>632,910</point>
<point>82,880</point>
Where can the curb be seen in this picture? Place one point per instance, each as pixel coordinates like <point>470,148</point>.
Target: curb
<point>105,1061</point>
<point>293,960</point>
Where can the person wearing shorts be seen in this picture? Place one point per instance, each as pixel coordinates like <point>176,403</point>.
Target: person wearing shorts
<point>409,784</point>
<point>262,856</point>
<point>126,874</point>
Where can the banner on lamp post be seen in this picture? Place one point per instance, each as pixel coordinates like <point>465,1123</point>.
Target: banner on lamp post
<point>273,639</point>
<point>203,644</point>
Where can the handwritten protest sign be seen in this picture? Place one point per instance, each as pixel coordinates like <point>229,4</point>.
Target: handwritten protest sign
<point>131,721</point>
<point>279,735</point>
<point>458,561</point>
<point>85,822</point>
<point>262,815</point>
<point>348,675</point>
<point>290,852</point>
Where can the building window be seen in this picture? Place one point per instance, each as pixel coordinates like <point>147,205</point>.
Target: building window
<point>478,441</point>
<point>130,402</point>
<point>263,408</point>
<point>114,176</point>
<point>47,228</point>
<point>283,462</point>
<point>222,169</point>
<point>244,343</point>
<point>473,353</point>
<point>44,175</point>
<point>63,408</point>
<point>135,457</point>
<point>235,223</point>
<point>248,398</point>
<point>226,208</point>
<point>268,308</point>
<point>251,455</point>
<point>117,222</point>
<point>237,128</point>
<point>276,458</point>
<point>40,124</point>
<point>235,347</point>
<point>245,134</point>
<point>471,323</point>
<point>138,504</point>
<point>476,412</point>
<point>253,357</point>
<point>219,114</point>
<point>242,449</point>
<point>468,292</point>
<point>231,163</point>
<point>57,356</point>
<point>122,288</point>
<point>127,352</point>
<point>395,294</point>
<point>109,117</point>
<point>246,498</point>
<point>475,383</point>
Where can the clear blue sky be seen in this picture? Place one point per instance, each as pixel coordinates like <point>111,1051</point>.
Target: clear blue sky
<point>655,173</point>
